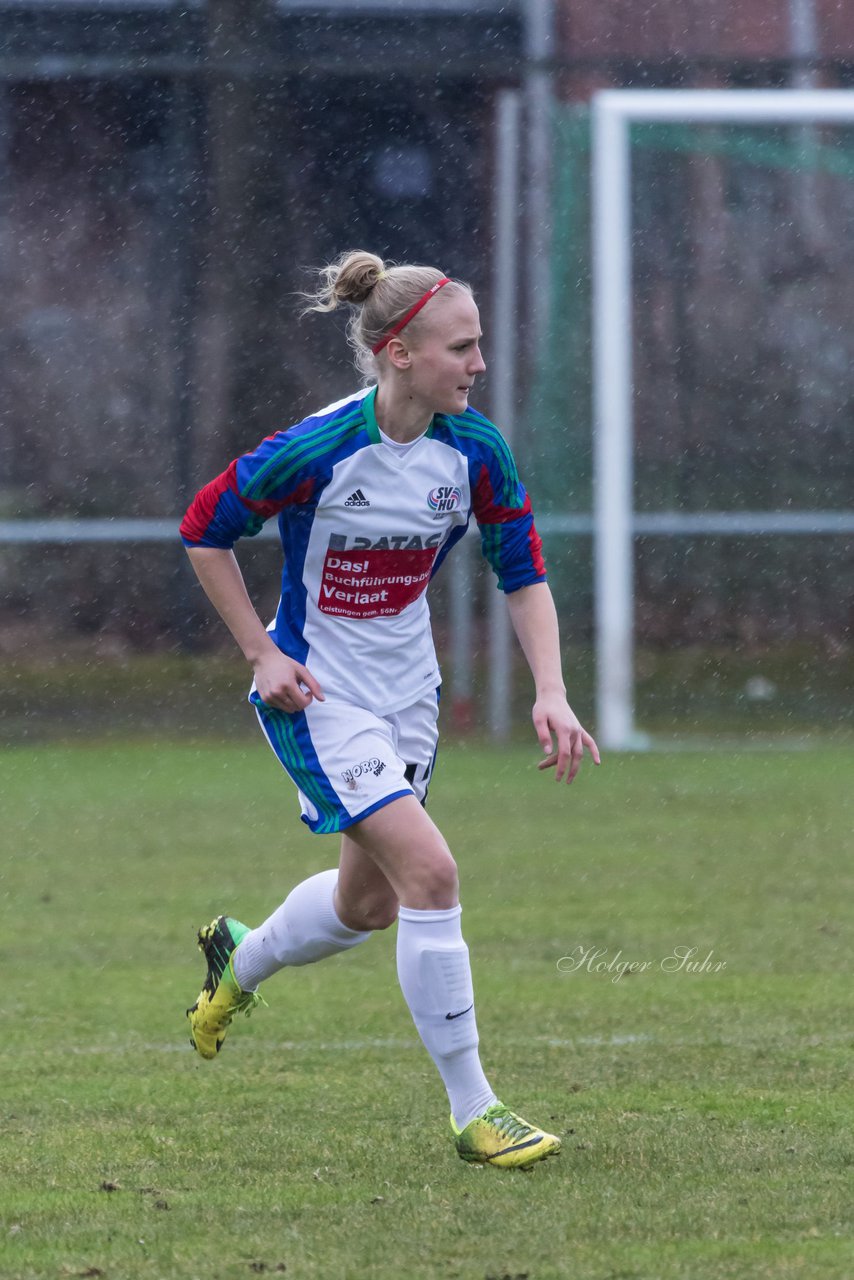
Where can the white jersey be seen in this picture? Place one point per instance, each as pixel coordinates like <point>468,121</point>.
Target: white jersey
<point>364,527</point>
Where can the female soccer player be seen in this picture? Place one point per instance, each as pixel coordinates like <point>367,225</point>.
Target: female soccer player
<point>371,494</point>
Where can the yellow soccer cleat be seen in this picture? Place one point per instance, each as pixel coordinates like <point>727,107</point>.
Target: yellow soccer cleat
<point>504,1139</point>
<point>220,998</point>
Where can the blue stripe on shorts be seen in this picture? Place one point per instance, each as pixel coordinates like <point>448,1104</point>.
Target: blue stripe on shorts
<point>290,739</point>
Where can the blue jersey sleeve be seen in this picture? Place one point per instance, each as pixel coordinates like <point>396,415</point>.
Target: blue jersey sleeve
<point>502,508</point>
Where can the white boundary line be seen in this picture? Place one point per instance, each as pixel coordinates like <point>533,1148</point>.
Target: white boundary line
<point>621,1040</point>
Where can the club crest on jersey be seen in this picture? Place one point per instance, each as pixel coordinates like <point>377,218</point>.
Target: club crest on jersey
<point>445,497</point>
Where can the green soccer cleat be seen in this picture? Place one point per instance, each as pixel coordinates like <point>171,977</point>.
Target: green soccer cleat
<point>220,998</point>
<point>504,1139</point>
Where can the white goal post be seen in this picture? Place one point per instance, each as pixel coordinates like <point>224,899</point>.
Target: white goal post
<point>615,521</point>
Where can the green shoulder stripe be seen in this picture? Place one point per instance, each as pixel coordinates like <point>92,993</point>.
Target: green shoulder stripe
<point>490,436</point>
<point>313,444</point>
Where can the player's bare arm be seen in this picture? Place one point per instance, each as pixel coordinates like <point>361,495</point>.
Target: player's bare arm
<point>281,682</point>
<point>561,735</point>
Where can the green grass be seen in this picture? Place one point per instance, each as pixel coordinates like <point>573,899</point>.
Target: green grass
<point>707,1116</point>
<point>697,692</point>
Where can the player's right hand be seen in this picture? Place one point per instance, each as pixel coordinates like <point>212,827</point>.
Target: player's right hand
<point>285,684</point>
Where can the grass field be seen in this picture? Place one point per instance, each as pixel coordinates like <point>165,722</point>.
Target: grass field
<point>706,1114</point>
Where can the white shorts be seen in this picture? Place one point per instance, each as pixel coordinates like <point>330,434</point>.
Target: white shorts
<point>347,762</point>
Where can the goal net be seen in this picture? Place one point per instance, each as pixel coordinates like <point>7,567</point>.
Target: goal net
<point>700,319</point>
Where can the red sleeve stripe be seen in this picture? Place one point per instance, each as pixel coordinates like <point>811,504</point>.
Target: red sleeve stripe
<point>535,544</point>
<point>267,507</point>
<point>487,510</point>
<point>202,509</point>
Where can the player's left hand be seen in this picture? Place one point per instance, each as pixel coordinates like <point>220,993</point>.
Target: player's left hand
<point>561,736</point>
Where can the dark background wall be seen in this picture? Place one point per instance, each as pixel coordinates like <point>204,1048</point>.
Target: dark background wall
<point>170,174</point>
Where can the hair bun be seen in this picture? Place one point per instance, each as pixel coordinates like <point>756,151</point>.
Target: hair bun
<point>358,274</point>
<point>350,279</point>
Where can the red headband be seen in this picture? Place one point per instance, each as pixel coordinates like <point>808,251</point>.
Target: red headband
<point>413,311</point>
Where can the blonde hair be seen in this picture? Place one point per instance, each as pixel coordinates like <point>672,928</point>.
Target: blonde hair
<point>379,295</point>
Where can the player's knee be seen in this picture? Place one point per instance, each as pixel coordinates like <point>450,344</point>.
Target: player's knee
<point>447,879</point>
<point>369,913</point>
<point>437,879</point>
<point>380,914</point>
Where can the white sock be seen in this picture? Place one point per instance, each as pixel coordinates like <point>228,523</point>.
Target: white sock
<point>435,977</point>
<point>305,928</point>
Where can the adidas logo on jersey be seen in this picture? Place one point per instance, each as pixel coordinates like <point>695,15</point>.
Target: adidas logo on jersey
<point>357,499</point>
